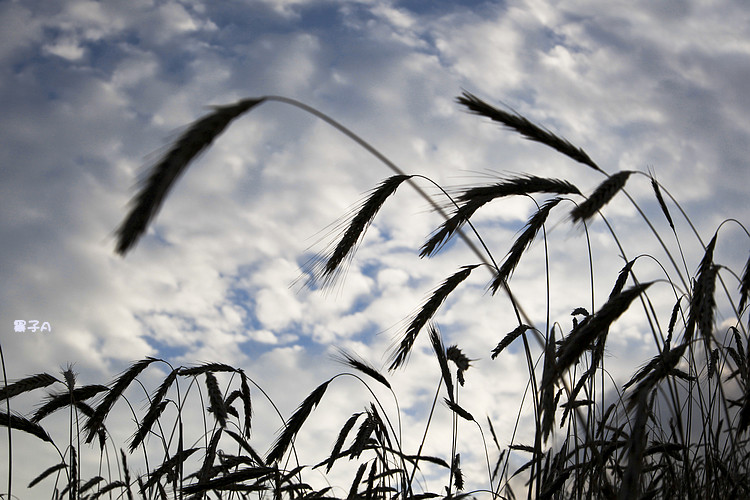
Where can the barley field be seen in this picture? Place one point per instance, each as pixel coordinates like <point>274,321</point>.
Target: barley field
<point>674,426</point>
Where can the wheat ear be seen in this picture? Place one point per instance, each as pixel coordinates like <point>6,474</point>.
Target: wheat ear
<point>437,345</point>
<point>427,311</point>
<point>63,399</point>
<point>581,338</point>
<point>527,129</point>
<point>324,268</point>
<point>23,424</point>
<point>702,301</point>
<point>473,199</point>
<point>27,384</point>
<point>600,197</point>
<point>294,424</point>
<point>533,226</point>
<point>358,364</point>
<point>46,472</point>
<point>162,176</point>
<point>94,423</point>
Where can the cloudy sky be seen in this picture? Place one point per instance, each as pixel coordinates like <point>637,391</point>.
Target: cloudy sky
<point>92,92</point>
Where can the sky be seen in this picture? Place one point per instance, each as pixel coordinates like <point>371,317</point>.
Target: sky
<point>93,92</point>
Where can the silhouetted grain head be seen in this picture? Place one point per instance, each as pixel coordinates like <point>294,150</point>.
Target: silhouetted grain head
<point>205,368</point>
<point>662,204</point>
<point>27,384</point>
<point>426,313</point>
<point>205,473</point>
<point>167,467</point>
<point>437,346</point>
<point>247,403</point>
<point>339,444</point>
<point>154,412</point>
<point>245,445</point>
<point>533,226</point>
<point>324,268</point>
<point>744,286</point>
<point>162,176</point>
<point>104,490</point>
<point>73,480</point>
<point>702,301</point>
<point>216,399</point>
<point>474,198</point>
<point>527,129</point>
<point>600,197</point>
<point>582,337</point>
<point>636,446</point>
<point>622,278</point>
<point>294,424</point>
<point>361,365</point>
<point>462,363</point>
<point>91,483</point>
<point>64,399</point>
<point>458,476</point>
<point>509,338</point>
<point>548,389</point>
<point>47,472</point>
<point>23,424</point>
<point>94,423</point>
<point>458,410</point>
<point>657,369</point>
<point>355,483</point>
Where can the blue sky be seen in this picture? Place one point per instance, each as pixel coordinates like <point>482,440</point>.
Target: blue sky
<point>92,91</point>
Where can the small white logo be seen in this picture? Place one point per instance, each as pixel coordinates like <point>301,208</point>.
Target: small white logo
<point>21,326</point>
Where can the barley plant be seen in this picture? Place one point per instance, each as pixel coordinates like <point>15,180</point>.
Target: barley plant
<point>677,428</point>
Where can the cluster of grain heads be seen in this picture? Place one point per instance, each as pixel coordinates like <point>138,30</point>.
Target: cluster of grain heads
<point>678,428</point>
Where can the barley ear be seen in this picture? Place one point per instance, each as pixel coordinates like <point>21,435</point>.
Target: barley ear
<point>523,242</point>
<point>662,204</point>
<point>600,197</point>
<point>509,338</point>
<point>162,176</point>
<point>167,466</point>
<point>324,268</point>
<point>598,325</point>
<point>744,286</point>
<point>437,346</point>
<point>23,424</point>
<point>427,311</point>
<point>247,403</point>
<point>94,423</point>
<point>702,302</point>
<point>294,424</point>
<point>473,199</point>
<point>339,444</point>
<point>46,473</point>
<point>27,384</point>
<point>456,408</point>
<point>527,129</point>
<point>216,399</point>
<point>358,364</point>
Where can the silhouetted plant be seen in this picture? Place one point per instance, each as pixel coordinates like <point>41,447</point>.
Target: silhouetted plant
<point>676,429</point>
